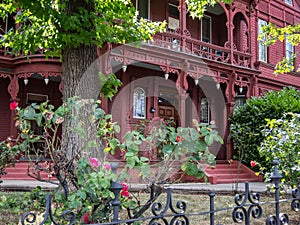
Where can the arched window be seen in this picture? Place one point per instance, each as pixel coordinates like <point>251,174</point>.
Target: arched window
<point>139,103</point>
<point>205,112</point>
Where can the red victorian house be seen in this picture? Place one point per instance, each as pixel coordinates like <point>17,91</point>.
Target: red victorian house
<point>197,69</point>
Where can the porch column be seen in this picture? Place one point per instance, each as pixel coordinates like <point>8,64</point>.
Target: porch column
<point>182,113</point>
<point>182,22</point>
<point>230,96</point>
<point>229,147</point>
<point>13,90</point>
<point>230,28</point>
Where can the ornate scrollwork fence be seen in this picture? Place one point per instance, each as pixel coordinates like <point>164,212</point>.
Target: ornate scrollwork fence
<point>247,207</point>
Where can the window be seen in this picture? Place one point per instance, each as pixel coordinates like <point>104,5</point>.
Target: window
<point>36,98</point>
<point>289,51</point>
<point>7,24</point>
<point>173,19</point>
<point>262,48</point>
<point>143,7</point>
<point>139,103</point>
<point>206,29</point>
<point>205,111</point>
<point>240,100</point>
<point>290,2</point>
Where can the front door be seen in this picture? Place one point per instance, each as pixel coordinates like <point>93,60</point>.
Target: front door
<point>168,113</point>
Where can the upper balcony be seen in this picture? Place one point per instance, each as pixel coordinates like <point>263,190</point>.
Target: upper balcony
<point>220,35</point>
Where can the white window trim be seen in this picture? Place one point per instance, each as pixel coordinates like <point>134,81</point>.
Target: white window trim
<point>133,108</point>
<point>260,42</point>
<point>210,29</point>
<point>137,6</point>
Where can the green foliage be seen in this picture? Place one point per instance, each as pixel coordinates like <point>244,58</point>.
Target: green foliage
<point>290,33</point>
<point>281,142</point>
<point>93,195</point>
<point>34,200</point>
<point>248,122</point>
<point>190,146</point>
<point>198,7</point>
<point>110,85</point>
<point>52,26</point>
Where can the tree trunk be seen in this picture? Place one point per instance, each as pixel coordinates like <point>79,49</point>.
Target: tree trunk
<point>80,70</point>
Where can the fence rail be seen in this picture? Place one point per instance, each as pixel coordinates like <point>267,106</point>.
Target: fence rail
<point>247,207</point>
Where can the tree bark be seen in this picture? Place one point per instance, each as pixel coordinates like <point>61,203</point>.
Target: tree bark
<point>80,78</point>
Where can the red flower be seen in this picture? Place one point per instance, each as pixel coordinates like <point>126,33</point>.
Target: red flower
<point>253,163</point>
<point>13,105</point>
<point>124,191</point>
<point>85,217</point>
<point>178,139</point>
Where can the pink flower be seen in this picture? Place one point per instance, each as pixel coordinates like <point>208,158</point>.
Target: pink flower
<point>124,191</point>
<point>49,115</point>
<point>13,105</point>
<point>163,121</point>
<point>253,163</point>
<point>95,162</point>
<point>178,139</point>
<point>85,217</point>
<point>107,166</point>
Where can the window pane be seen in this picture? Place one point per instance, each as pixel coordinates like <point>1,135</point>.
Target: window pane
<point>139,103</point>
<point>204,117</point>
<point>290,2</point>
<point>262,48</point>
<point>143,8</point>
<point>205,23</point>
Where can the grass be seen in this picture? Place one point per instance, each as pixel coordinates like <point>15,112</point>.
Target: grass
<point>196,204</point>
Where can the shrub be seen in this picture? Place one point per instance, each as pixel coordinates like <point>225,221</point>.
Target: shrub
<point>281,142</point>
<point>248,122</point>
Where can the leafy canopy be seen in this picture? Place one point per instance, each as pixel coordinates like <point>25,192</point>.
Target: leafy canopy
<point>47,25</point>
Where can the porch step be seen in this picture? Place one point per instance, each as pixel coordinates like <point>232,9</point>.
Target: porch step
<point>20,172</point>
<point>225,172</point>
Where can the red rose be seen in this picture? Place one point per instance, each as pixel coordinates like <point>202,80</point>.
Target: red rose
<point>124,191</point>
<point>85,217</point>
<point>253,163</point>
<point>13,105</point>
<point>178,139</point>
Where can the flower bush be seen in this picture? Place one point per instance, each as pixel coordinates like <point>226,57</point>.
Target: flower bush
<point>282,143</point>
<point>86,180</point>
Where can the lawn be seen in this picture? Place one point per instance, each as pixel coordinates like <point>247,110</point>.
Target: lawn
<point>196,204</point>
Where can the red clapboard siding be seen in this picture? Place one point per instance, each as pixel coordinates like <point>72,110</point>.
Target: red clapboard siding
<point>5,114</point>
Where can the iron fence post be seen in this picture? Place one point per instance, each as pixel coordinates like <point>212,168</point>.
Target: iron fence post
<point>276,177</point>
<point>116,188</point>
<point>212,207</point>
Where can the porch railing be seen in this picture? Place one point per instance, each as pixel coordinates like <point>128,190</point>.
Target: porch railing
<point>205,50</point>
<point>247,207</point>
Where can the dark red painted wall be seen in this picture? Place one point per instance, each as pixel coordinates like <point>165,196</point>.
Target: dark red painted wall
<point>5,114</point>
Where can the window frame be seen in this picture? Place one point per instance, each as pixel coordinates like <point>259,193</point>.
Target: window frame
<point>210,28</point>
<point>148,13</point>
<point>289,48</point>
<point>142,107</point>
<point>262,47</point>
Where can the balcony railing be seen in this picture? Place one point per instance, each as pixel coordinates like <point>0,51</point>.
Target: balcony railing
<point>202,49</point>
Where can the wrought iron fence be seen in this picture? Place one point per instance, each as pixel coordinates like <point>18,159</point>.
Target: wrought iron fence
<point>248,206</point>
